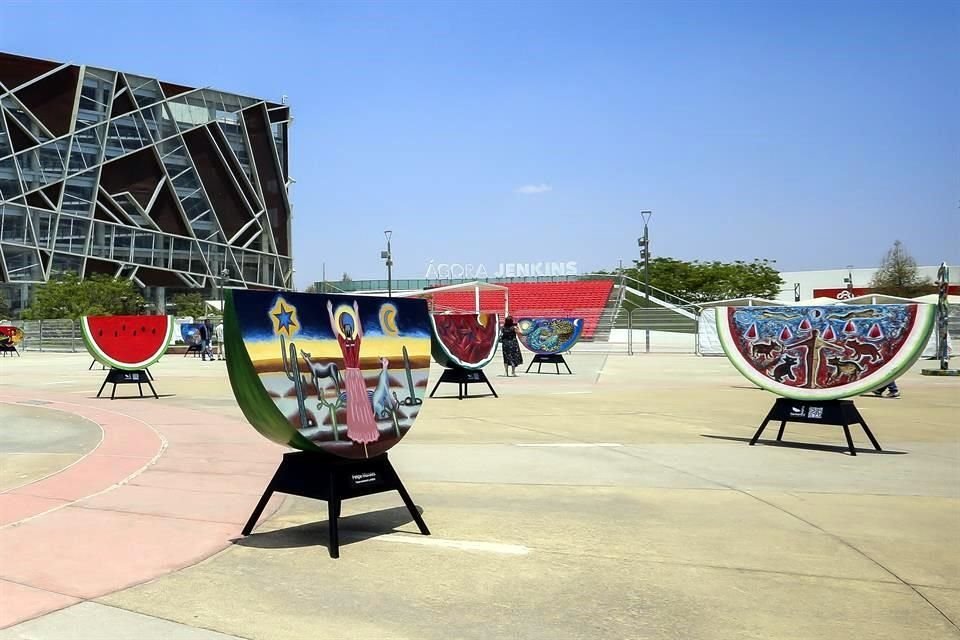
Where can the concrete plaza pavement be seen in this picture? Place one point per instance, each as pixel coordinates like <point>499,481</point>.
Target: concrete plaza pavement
<point>620,502</point>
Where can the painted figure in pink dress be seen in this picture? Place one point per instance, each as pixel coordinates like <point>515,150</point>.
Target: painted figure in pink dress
<point>361,425</point>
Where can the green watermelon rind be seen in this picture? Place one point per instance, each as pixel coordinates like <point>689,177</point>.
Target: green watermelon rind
<point>90,341</point>
<point>907,355</point>
<point>255,403</point>
<point>443,356</point>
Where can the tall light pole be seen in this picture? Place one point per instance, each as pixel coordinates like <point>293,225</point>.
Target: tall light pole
<point>645,256</point>
<point>223,277</point>
<point>388,256</point>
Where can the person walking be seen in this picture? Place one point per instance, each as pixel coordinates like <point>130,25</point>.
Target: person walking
<point>511,347</point>
<point>204,331</point>
<point>893,391</point>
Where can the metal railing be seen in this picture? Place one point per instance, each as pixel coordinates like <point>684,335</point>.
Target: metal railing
<point>51,335</point>
<point>660,330</point>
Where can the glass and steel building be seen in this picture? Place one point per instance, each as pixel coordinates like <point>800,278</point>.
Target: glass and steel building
<point>109,172</point>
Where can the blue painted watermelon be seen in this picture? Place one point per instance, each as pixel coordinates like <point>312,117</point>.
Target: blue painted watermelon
<point>549,335</point>
<point>127,342</point>
<point>824,352</point>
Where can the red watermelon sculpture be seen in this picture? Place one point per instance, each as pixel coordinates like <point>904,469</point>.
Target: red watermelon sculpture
<point>127,342</point>
<point>465,340</point>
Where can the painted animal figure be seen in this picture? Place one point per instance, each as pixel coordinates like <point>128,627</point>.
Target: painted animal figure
<point>863,349</point>
<point>785,368</point>
<point>384,404</point>
<point>765,349</point>
<point>322,370</point>
<point>849,368</point>
<point>777,315</point>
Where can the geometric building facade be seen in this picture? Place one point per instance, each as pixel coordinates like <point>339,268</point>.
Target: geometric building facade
<point>170,186</point>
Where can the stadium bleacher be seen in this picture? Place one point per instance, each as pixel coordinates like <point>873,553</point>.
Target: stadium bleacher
<point>575,299</point>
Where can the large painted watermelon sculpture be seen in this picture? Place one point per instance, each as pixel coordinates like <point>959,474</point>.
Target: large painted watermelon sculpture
<point>465,340</point>
<point>127,342</point>
<point>824,353</point>
<point>328,373</point>
<point>549,335</point>
<point>10,337</point>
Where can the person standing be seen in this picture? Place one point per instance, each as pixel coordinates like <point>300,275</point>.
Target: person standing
<point>204,331</point>
<point>221,347</point>
<point>511,347</point>
<point>361,423</point>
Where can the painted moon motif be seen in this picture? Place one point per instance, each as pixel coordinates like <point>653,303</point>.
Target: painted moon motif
<point>466,340</point>
<point>301,382</point>
<point>388,319</point>
<point>549,335</point>
<point>824,353</point>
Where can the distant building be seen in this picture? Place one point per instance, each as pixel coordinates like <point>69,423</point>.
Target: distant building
<point>833,283</point>
<point>173,187</point>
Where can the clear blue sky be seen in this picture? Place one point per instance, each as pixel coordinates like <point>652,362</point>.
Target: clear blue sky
<point>814,133</point>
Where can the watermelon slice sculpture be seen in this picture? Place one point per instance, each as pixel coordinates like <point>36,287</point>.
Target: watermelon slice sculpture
<point>465,340</point>
<point>10,337</point>
<point>127,342</point>
<point>824,353</point>
<point>549,335</point>
<point>337,374</point>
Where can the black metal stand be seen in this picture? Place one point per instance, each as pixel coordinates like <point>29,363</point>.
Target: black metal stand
<point>463,377</point>
<point>549,358</point>
<point>5,349</point>
<point>322,477</point>
<point>119,376</point>
<point>831,412</point>
<point>195,349</point>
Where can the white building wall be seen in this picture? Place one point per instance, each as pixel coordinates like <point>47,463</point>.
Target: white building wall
<point>833,279</point>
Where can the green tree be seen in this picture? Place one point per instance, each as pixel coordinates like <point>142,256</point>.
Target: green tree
<point>698,281</point>
<point>898,275</point>
<point>4,307</point>
<point>66,296</point>
<point>189,304</point>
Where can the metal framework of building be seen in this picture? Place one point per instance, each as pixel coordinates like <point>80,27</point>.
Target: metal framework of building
<point>108,172</point>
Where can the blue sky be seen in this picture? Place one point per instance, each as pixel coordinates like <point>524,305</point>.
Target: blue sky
<point>813,133</point>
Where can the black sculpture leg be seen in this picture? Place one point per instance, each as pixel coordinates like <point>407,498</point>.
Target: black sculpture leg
<point>539,366</point>
<point>103,385</point>
<point>90,368</point>
<point>333,514</point>
<point>113,391</point>
<point>149,375</point>
<point>763,425</point>
<point>461,390</point>
<point>567,366</point>
<point>435,386</point>
<point>846,433</point>
<point>152,390</point>
<point>247,528</point>
<point>407,500</point>
<point>530,366</point>
<point>873,441</point>
<point>783,425</point>
<point>485,379</point>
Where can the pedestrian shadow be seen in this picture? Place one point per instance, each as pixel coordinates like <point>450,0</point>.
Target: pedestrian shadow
<point>812,446</point>
<point>354,528</point>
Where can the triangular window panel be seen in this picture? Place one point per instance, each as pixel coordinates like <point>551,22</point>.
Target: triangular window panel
<point>96,94</point>
<point>51,99</point>
<point>17,70</point>
<point>10,186</point>
<point>53,192</point>
<point>122,100</point>
<point>20,139</point>
<point>5,148</point>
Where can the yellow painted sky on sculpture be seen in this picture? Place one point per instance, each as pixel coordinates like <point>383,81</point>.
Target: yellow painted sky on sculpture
<point>370,347</point>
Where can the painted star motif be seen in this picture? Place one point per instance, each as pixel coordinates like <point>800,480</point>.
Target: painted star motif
<point>284,317</point>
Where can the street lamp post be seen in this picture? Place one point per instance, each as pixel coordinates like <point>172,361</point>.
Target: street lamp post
<point>388,256</point>
<point>223,277</point>
<point>645,256</point>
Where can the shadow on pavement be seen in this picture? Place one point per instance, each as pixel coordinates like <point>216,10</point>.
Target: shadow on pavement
<point>806,445</point>
<point>355,528</point>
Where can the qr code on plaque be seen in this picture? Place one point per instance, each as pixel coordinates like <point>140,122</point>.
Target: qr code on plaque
<point>815,412</point>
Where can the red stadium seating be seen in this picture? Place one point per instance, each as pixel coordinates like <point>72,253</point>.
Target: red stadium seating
<point>577,299</point>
